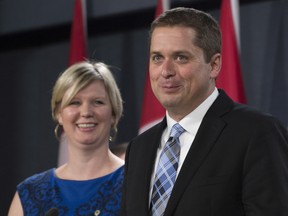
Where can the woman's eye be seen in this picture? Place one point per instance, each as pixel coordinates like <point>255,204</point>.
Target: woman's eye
<point>99,102</point>
<point>74,103</point>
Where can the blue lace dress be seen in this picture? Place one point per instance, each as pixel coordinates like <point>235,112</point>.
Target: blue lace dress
<point>41,192</point>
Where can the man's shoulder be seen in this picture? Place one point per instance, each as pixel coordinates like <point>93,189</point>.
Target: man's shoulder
<point>154,130</point>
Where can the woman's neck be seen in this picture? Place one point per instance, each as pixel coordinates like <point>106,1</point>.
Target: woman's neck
<point>89,166</point>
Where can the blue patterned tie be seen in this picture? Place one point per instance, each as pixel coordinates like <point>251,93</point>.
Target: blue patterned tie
<point>166,172</point>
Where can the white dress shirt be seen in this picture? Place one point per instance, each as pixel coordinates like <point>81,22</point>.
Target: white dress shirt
<point>191,124</point>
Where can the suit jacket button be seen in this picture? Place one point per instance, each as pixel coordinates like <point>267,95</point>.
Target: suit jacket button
<point>97,212</point>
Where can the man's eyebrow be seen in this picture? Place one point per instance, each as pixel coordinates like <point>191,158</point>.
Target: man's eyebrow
<point>155,52</point>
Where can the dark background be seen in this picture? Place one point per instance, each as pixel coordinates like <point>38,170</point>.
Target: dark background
<point>34,49</point>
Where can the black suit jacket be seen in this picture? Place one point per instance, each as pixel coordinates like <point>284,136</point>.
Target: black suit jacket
<point>237,165</point>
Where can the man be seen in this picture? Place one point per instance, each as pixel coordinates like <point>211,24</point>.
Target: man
<point>233,159</point>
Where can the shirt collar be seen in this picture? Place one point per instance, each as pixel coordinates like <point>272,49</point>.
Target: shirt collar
<point>194,118</point>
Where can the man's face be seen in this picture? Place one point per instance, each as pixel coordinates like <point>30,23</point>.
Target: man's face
<point>180,77</point>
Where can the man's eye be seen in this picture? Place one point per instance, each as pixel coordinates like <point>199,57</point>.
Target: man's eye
<point>182,58</point>
<point>156,58</point>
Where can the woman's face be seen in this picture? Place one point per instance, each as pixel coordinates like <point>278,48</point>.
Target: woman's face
<point>87,119</point>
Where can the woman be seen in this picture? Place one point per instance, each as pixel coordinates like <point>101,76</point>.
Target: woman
<point>86,105</point>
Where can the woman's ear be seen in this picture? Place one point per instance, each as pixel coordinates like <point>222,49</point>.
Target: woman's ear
<point>59,118</point>
<point>113,121</point>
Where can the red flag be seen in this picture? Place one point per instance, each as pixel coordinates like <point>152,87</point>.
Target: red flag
<point>78,47</point>
<point>78,52</point>
<point>152,110</point>
<point>230,78</point>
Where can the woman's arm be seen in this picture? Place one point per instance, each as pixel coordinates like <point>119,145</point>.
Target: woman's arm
<point>16,207</point>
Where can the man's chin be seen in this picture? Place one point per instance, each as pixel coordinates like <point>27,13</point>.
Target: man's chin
<point>169,103</point>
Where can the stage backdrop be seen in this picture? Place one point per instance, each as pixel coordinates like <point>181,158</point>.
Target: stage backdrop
<point>34,38</point>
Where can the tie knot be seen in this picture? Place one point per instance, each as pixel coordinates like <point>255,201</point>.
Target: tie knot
<point>176,131</point>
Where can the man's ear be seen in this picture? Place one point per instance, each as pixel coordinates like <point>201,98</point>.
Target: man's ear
<point>216,62</point>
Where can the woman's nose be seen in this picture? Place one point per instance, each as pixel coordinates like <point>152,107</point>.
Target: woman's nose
<point>86,111</point>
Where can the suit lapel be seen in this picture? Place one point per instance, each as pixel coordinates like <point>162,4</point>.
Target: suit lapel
<point>142,169</point>
<point>210,129</point>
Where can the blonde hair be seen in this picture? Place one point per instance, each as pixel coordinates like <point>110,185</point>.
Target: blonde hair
<point>80,75</point>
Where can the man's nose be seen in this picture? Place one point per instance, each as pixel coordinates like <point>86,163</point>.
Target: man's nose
<point>167,69</point>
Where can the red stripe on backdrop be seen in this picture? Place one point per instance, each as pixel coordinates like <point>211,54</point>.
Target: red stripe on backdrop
<point>230,78</point>
<point>78,44</point>
<point>78,52</point>
<point>152,110</point>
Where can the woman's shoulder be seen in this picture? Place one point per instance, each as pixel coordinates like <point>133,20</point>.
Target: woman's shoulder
<point>117,174</point>
<point>41,177</point>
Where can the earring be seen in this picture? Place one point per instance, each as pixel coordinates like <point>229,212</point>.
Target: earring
<point>113,134</point>
<point>56,131</point>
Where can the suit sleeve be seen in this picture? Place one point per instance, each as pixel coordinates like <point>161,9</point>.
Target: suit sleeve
<point>124,190</point>
<point>265,172</point>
